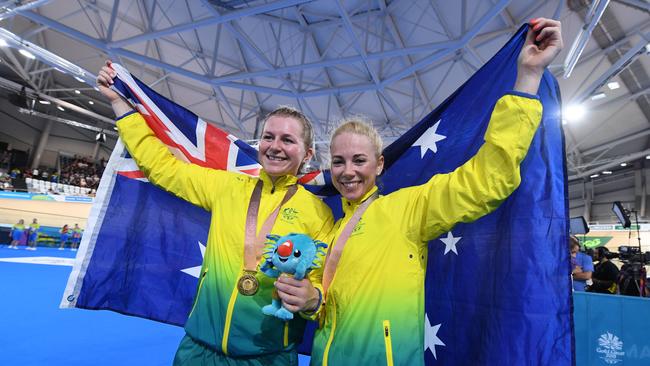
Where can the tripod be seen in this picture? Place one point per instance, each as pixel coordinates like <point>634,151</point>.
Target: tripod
<point>632,278</point>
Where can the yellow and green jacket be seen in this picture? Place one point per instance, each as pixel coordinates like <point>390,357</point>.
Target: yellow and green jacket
<point>221,318</point>
<point>374,307</point>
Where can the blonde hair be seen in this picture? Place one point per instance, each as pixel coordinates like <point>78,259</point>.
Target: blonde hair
<point>291,112</point>
<point>360,126</point>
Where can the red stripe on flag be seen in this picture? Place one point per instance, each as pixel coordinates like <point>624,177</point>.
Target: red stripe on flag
<point>217,147</point>
<point>308,177</point>
<point>133,174</point>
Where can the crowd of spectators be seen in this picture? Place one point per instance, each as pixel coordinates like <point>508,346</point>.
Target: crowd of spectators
<point>76,171</point>
<point>80,171</point>
<point>6,182</point>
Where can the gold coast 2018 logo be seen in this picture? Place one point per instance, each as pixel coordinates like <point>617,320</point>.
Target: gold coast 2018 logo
<point>610,348</point>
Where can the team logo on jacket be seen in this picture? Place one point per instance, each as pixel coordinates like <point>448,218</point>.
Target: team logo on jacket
<point>358,228</point>
<point>289,214</point>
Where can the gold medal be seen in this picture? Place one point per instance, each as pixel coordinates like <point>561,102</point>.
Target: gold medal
<point>248,283</point>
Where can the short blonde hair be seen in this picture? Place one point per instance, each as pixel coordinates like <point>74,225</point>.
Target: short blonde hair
<point>360,126</point>
<point>291,112</point>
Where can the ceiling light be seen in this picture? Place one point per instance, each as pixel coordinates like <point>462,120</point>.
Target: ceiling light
<point>100,137</point>
<point>613,85</point>
<point>3,43</point>
<point>607,172</point>
<point>60,108</point>
<point>76,91</point>
<point>27,53</point>
<point>647,157</point>
<point>91,102</point>
<point>574,112</point>
<point>598,96</point>
<point>623,164</point>
<point>594,176</point>
<point>44,101</point>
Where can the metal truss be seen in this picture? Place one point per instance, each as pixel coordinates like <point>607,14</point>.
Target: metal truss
<point>329,63</point>
<point>261,75</point>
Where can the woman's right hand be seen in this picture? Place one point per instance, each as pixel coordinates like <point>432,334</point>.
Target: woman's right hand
<point>104,81</point>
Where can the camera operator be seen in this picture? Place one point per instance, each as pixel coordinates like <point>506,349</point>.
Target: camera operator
<point>605,274</point>
<point>582,265</point>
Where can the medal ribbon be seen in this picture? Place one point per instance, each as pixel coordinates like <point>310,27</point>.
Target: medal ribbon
<point>334,255</point>
<point>254,244</point>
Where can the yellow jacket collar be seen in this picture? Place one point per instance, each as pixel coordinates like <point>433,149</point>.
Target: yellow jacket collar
<point>281,183</point>
<point>350,206</point>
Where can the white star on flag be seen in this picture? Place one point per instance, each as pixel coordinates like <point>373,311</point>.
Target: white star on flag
<point>428,140</point>
<point>450,243</point>
<point>196,271</point>
<point>431,339</point>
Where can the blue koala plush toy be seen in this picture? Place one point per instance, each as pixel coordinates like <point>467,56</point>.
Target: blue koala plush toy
<point>294,254</point>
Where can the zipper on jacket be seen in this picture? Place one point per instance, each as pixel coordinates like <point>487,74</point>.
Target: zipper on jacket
<point>331,337</point>
<point>286,334</point>
<point>226,326</point>
<point>388,343</point>
<point>198,292</point>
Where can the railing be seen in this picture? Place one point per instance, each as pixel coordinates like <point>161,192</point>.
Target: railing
<point>41,186</point>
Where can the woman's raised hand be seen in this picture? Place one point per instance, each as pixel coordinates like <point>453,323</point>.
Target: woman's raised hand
<point>543,43</point>
<point>104,81</point>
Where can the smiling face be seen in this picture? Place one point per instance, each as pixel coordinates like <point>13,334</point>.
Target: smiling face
<point>354,164</point>
<point>282,149</point>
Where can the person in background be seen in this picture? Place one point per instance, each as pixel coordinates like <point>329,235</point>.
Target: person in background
<point>605,274</point>
<point>65,235</point>
<point>582,265</point>
<point>76,237</point>
<point>34,228</point>
<point>17,232</point>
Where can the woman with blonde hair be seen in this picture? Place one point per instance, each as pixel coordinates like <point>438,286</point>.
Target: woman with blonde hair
<point>375,269</point>
<point>226,325</point>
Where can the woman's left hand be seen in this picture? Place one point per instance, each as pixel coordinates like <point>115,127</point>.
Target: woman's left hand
<point>543,43</point>
<point>297,295</point>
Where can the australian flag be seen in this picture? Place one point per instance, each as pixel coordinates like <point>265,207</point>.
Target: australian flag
<point>497,290</point>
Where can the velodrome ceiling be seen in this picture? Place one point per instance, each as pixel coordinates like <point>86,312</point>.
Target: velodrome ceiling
<point>229,61</point>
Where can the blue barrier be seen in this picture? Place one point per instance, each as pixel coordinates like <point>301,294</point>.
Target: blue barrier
<point>44,197</point>
<point>611,330</point>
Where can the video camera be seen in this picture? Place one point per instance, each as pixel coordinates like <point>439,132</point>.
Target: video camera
<point>632,255</point>
<point>632,277</point>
